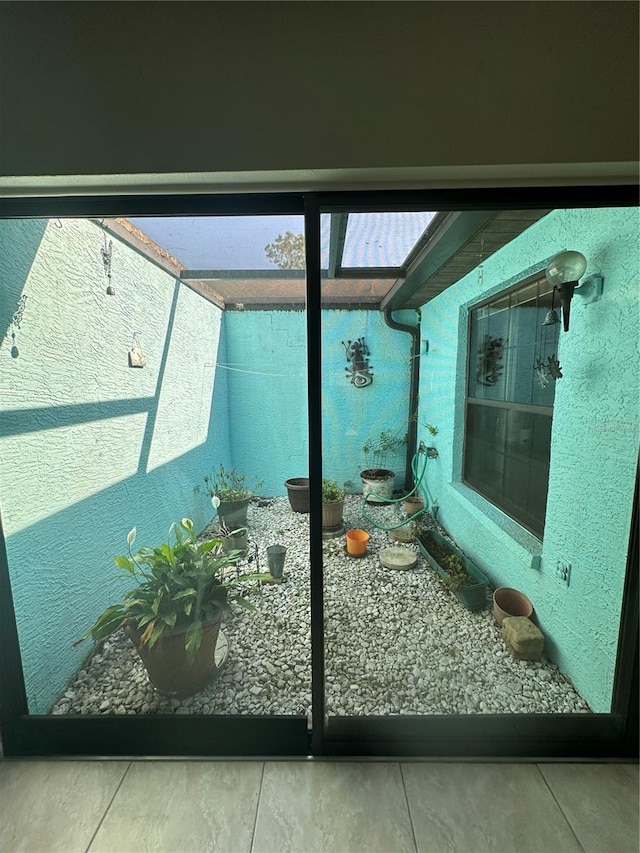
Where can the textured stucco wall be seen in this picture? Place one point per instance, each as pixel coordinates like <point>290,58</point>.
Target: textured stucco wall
<point>594,441</point>
<point>267,362</point>
<point>352,415</point>
<point>90,447</point>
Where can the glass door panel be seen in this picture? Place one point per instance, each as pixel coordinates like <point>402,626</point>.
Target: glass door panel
<point>153,406</point>
<point>410,623</point>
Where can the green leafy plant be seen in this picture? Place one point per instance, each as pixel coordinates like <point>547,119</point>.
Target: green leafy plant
<point>377,450</point>
<point>333,493</point>
<point>178,586</point>
<point>457,575</point>
<point>287,251</point>
<point>228,485</point>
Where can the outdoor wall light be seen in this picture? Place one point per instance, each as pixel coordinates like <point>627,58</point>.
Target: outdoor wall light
<point>563,272</point>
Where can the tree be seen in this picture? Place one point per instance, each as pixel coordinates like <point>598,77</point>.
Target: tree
<point>287,251</point>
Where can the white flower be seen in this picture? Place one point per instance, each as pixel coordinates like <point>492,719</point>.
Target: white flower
<point>131,537</point>
<point>215,500</point>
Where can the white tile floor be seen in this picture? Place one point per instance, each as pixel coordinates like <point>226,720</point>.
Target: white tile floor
<point>303,807</point>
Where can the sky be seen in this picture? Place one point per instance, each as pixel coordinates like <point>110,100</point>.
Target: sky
<point>238,242</point>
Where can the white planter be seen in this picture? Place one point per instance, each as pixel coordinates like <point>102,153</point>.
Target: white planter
<point>377,485</point>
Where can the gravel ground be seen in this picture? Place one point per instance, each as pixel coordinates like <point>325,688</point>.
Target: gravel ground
<point>397,642</point>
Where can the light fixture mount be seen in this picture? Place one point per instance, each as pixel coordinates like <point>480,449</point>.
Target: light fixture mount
<point>564,271</point>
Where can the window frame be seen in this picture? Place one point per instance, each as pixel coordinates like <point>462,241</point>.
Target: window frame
<point>529,278</point>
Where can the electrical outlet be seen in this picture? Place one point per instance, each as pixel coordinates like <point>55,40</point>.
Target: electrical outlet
<point>563,571</point>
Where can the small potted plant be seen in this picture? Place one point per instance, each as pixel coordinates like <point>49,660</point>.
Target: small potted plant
<point>457,572</point>
<point>234,494</point>
<point>333,507</point>
<point>377,479</point>
<point>173,613</point>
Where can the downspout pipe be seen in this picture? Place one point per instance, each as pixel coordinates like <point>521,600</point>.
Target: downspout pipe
<point>414,382</point>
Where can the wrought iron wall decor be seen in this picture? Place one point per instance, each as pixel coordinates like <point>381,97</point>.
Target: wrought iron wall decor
<point>359,371</point>
<point>549,369</point>
<point>15,325</point>
<point>491,354</point>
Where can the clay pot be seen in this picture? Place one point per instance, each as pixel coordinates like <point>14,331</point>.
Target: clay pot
<point>510,602</point>
<point>357,542</point>
<point>166,661</point>
<point>413,504</point>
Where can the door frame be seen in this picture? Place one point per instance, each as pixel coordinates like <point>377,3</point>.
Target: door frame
<point>535,737</point>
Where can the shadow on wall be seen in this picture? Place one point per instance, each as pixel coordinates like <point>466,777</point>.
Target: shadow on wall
<point>62,567</point>
<point>19,246</point>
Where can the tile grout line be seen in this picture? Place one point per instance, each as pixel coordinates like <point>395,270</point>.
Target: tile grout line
<point>106,811</point>
<point>255,822</point>
<point>406,797</point>
<point>544,779</point>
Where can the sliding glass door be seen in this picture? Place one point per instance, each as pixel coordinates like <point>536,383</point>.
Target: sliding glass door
<point>265,460</point>
<point>154,404</point>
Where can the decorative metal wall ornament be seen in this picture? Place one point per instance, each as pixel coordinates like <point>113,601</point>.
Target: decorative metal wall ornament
<point>490,366</point>
<point>541,373</point>
<point>136,357</point>
<point>551,368</point>
<point>15,325</point>
<point>107,251</point>
<point>544,371</point>
<point>360,371</point>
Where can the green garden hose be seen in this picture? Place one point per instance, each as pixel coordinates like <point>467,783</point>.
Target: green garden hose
<point>418,480</point>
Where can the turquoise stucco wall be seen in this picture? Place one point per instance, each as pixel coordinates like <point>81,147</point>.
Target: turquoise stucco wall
<point>266,368</point>
<point>594,447</point>
<point>88,446</point>
<point>352,415</point>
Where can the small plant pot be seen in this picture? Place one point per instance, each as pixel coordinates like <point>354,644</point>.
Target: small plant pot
<point>236,541</point>
<point>510,602</point>
<point>332,519</point>
<point>413,504</point>
<point>233,514</point>
<point>275,559</point>
<point>377,485</point>
<point>357,542</point>
<point>298,491</point>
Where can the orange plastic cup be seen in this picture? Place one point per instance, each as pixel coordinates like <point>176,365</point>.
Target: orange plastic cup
<point>357,542</point>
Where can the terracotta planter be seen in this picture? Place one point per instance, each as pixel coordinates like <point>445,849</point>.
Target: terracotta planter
<point>377,485</point>
<point>166,662</point>
<point>357,542</point>
<point>413,504</point>
<point>298,491</point>
<point>510,602</point>
<point>234,513</point>
<point>332,519</point>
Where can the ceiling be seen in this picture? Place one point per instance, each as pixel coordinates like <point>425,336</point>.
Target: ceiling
<point>379,260</point>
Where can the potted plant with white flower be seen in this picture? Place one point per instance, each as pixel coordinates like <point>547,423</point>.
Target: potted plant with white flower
<point>174,611</point>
